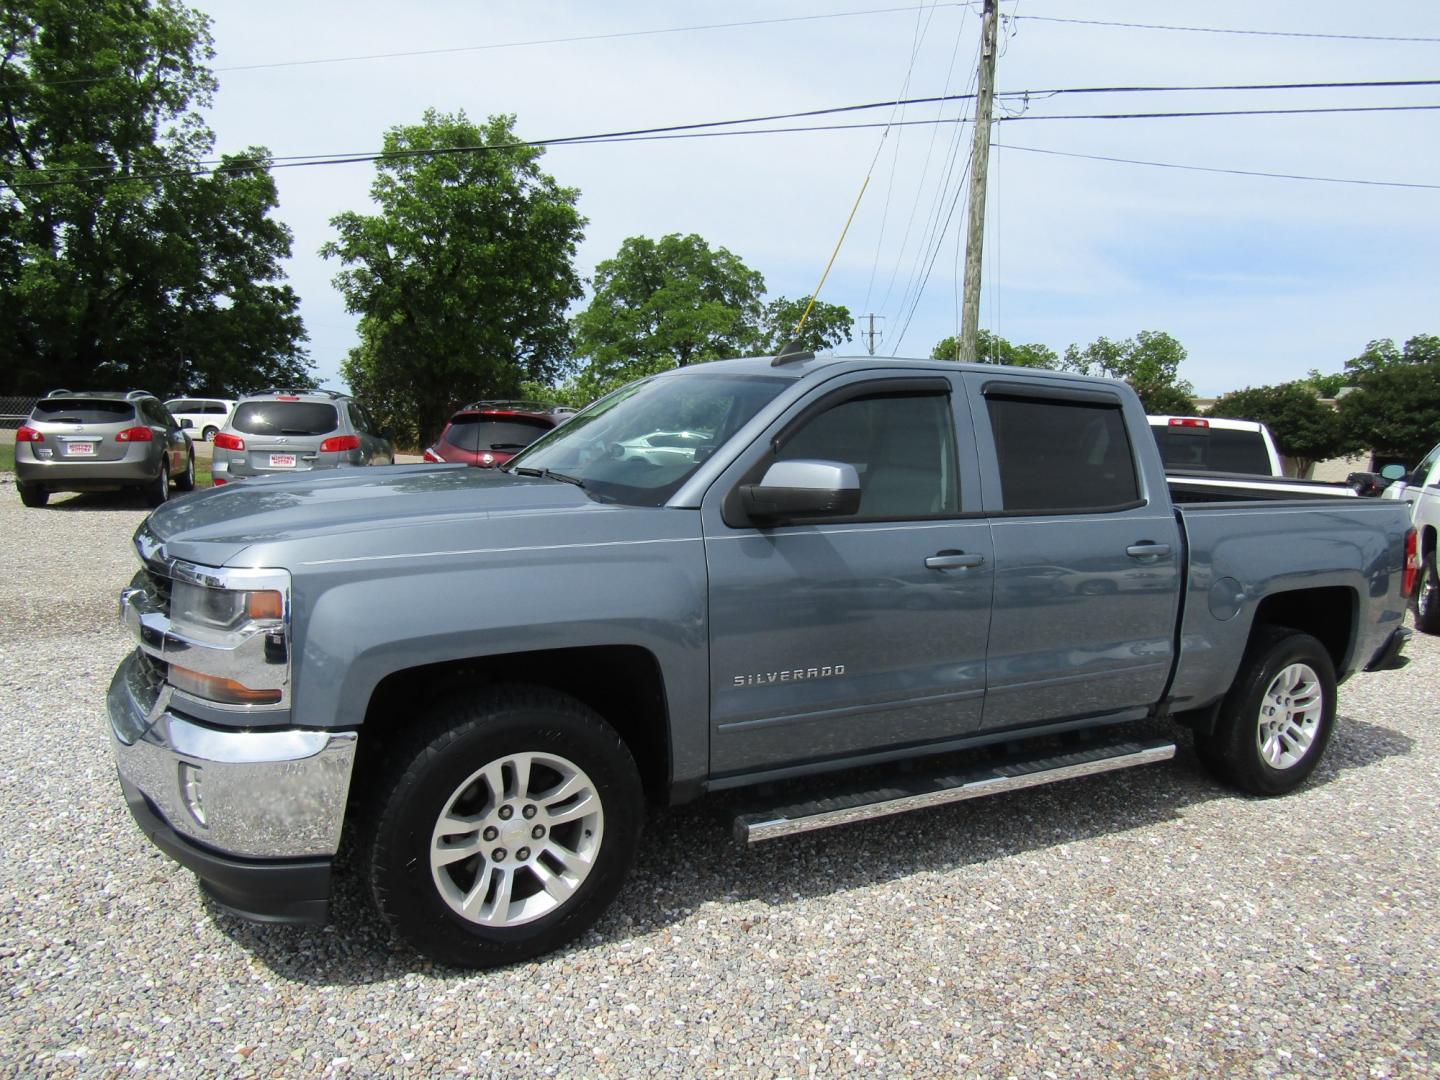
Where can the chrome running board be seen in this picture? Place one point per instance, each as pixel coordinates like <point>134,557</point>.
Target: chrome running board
<point>916,792</point>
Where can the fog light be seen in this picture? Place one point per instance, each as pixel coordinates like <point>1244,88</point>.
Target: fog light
<point>214,688</point>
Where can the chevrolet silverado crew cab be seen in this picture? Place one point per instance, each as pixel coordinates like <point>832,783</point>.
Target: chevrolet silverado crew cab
<point>848,587</point>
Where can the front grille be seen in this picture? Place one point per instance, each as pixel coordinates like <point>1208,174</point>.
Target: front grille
<point>152,670</point>
<point>159,586</point>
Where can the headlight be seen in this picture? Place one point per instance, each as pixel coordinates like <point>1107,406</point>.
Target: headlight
<point>224,609</point>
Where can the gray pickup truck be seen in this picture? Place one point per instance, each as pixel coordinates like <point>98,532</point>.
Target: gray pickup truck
<point>850,587</point>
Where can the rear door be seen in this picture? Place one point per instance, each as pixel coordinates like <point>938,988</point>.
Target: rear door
<point>839,637</point>
<point>1087,553</point>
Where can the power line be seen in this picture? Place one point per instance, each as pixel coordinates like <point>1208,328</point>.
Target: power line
<point>1215,169</point>
<point>1226,30</point>
<point>365,155</point>
<point>681,131</point>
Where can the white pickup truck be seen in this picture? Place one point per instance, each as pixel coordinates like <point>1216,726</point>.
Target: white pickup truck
<point>1220,458</point>
<point>1421,488</point>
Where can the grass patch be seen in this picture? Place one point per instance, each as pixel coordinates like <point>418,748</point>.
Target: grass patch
<point>7,457</point>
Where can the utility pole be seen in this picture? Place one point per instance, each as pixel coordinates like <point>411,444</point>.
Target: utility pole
<point>871,335</point>
<point>979,169</point>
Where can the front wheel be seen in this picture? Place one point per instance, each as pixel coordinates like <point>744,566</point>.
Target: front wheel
<point>1427,597</point>
<point>1276,720</point>
<point>505,827</point>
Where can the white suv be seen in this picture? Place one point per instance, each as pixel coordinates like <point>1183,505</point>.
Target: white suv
<point>202,416</point>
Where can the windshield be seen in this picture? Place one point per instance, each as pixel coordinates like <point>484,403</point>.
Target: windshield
<point>641,443</point>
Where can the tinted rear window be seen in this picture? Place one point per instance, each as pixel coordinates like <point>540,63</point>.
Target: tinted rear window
<point>285,418</point>
<point>84,410</point>
<point>477,433</point>
<point>1062,456</point>
<point>1213,450</point>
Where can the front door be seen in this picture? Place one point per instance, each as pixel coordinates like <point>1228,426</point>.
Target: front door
<point>835,638</point>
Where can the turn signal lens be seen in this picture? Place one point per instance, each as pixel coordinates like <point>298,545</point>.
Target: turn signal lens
<point>268,604</point>
<point>340,443</point>
<point>229,442</point>
<point>434,458</point>
<point>28,434</point>
<point>214,688</point>
<point>135,434</point>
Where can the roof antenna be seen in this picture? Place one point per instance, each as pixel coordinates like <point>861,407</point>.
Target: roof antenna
<point>792,353</point>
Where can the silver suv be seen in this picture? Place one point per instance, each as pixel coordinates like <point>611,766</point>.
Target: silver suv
<point>101,441</point>
<point>295,431</point>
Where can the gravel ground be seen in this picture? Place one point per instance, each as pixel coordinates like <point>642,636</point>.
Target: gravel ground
<point>1144,923</point>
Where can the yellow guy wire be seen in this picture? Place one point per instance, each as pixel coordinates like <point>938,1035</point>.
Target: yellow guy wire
<point>833,255</point>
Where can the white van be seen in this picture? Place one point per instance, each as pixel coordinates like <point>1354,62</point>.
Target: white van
<point>206,416</point>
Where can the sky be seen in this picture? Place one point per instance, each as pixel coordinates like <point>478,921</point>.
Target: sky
<point>1261,279</point>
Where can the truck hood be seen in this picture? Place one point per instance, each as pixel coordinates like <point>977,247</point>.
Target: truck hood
<point>353,508</point>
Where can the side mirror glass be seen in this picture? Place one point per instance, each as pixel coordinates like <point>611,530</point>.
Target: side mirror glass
<point>1393,472</point>
<point>802,489</point>
<point>187,423</point>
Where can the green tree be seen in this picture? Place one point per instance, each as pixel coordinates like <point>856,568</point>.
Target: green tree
<point>1327,386</point>
<point>827,326</point>
<point>994,349</point>
<point>1149,362</point>
<point>463,277</point>
<point>1305,430</point>
<point>119,265</point>
<point>664,304</point>
<point>1395,411</point>
<point>1382,355</point>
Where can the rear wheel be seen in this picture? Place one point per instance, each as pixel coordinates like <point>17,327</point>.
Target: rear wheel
<point>210,432</point>
<point>1427,597</point>
<point>504,828</point>
<point>186,482</point>
<point>1276,720</point>
<point>158,490</point>
<point>32,494</point>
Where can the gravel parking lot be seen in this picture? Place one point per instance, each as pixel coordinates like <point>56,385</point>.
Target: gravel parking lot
<point>1146,922</point>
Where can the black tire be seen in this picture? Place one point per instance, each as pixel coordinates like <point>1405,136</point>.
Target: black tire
<point>439,766</point>
<point>1247,748</point>
<point>32,494</point>
<point>1427,596</point>
<point>186,480</point>
<point>209,433</point>
<point>158,490</point>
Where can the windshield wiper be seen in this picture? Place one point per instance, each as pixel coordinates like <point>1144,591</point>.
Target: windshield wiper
<point>548,474</point>
<point>508,445</point>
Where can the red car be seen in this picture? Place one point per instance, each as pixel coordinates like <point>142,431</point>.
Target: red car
<point>487,434</point>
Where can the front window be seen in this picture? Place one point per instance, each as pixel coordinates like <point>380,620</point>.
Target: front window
<point>639,444</point>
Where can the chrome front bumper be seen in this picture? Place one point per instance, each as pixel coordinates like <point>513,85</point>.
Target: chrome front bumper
<point>268,794</point>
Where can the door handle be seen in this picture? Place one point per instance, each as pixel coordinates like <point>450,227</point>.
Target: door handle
<point>1147,550</point>
<point>953,560</point>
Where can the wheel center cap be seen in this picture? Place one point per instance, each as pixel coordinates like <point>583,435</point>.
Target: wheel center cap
<point>514,832</point>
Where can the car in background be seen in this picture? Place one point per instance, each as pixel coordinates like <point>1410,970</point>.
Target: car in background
<point>297,431</point>
<point>1214,444</point>
<point>1420,487</point>
<point>101,441</point>
<point>203,415</point>
<point>487,434</point>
